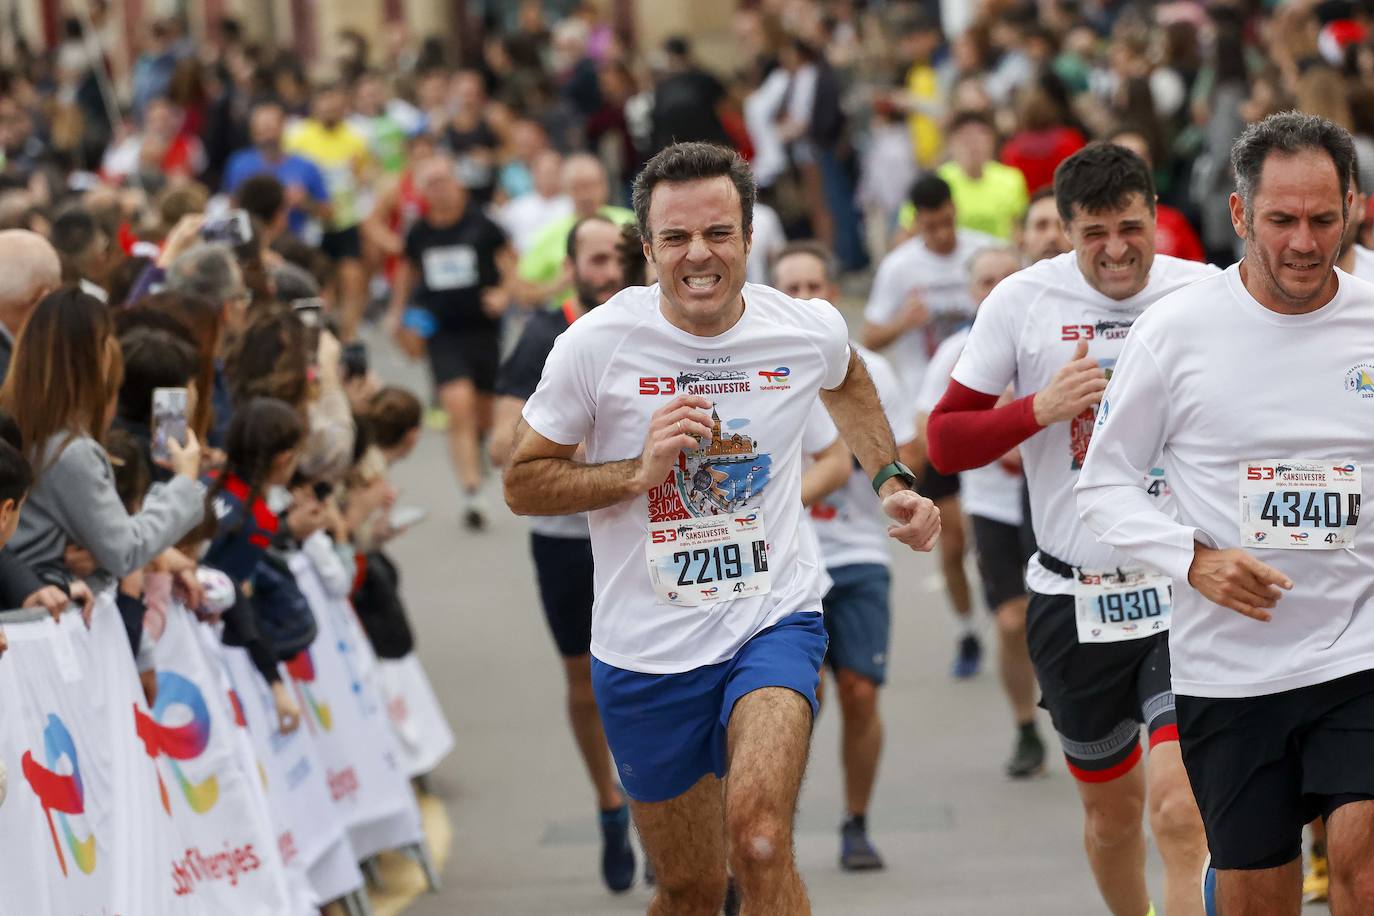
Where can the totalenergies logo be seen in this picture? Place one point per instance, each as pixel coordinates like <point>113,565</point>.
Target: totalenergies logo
<point>774,379</point>
<point>185,741</point>
<point>302,671</point>
<point>63,794</point>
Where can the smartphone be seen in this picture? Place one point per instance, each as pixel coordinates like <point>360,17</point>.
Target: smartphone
<point>354,360</point>
<point>311,314</point>
<point>402,517</point>
<point>169,420</point>
<point>233,228</point>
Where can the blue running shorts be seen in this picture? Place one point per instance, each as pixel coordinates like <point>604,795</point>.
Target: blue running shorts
<point>859,619</point>
<point>666,731</point>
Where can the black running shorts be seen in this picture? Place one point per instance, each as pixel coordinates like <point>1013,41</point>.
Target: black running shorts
<point>1262,767</point>
<point>1099,694</point>
<point>564,569</point>
<point>936,486</point>
<point>1003,551</point>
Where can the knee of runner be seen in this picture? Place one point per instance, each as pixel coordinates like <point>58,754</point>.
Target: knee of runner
<point>858,694</point>
<point>758,841</point>
<point>1011,619</point>
<point>1114,824</point>
<point>1357,881</point>
<point>1174,814</point>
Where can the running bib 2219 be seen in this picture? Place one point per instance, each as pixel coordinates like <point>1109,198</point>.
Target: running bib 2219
<point>1299,503</point>
<point>1115,605</point>
<point>699,561</point>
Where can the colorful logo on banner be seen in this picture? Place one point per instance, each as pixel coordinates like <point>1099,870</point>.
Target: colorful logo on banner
<point>186,741</point>
<point>302,671</point>
<point>63,794</point>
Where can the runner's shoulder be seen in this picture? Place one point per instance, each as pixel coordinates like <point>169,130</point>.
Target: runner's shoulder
<point>809,318</point>
<point>1178,272</point>
<point>1182,312</point>
<point>609,324</point>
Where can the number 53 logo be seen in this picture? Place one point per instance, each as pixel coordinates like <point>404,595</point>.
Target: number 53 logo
<point>1259,473</point>
<point>663,537</point>
<point>657,386</point>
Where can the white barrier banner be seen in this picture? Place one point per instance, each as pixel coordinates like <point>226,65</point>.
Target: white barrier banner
<point>342,705</point>
<point>420,723</point>
<point>223,858</point>
<point>82,825</point>
<point>310,831</point>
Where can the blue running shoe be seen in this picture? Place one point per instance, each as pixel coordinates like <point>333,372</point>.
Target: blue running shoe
<point>968,659</point>
<point>1209,887</point>
<point>617,856</point>
<point>856,850</point>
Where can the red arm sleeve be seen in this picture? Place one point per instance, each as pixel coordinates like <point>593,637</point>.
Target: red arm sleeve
<point>966,431</point>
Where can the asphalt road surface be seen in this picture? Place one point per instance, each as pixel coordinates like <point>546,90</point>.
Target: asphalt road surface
<point>958,837</point>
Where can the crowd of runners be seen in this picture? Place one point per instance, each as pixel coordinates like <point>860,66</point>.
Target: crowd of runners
<point>1075,291</point>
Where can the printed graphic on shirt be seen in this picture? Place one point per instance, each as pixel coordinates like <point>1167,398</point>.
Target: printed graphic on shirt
<point>724,476</point>
<point>450,267</point>
<point>1081,427</point>
<point>1360,379</point>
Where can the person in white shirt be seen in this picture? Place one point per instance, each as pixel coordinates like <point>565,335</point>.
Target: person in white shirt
<point>1053,331</point>
<point>919,297</point>
<point>1355,259</point>
<point>853,541</point>
<point>691,398</point>
<point>527,214</point>
<point>992,496</point>
<point>1255,389</point>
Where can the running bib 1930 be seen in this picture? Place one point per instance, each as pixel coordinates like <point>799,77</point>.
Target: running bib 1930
<point>1299,503</point>
<point>1120,604</point>
<point>697,561</point>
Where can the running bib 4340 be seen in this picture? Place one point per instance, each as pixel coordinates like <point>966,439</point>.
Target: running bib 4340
<point>1120,604</point>
<point>1299,503</point>
<point>698,561</point>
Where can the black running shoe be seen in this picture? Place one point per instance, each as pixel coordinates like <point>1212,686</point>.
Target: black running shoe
<point>617,856</point>
<point>1028,757</point>
<point>474,519</point>
<point>856,850</point>
<point>968,658</point>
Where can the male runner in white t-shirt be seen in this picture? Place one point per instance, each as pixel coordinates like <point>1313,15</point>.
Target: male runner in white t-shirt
<point>1256,390</point>
<point>1053,331</point>
<point>919,296</point>
<point>992,497</point>
<point>691,397</point>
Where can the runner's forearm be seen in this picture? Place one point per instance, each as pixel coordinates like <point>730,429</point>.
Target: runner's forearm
<point>858,413</point>
<point>561,486</point>
<point>967,431</point>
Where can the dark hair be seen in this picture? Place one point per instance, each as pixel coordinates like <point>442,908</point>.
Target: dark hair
<point>812,247</point>
<point>153,358</point>
<point>194,320</point>
<point>74,231</point>
<point>1101,176</point>
<point>262,429</point>
<point>262,196</point>
<point>967,117</point>
<point>1287,133</point>
<point>16,474</point>
<point>132,476</point>
<point>577,227</point>
<point>930,192</point>
<point>634,268</point>
<point>694,162</point>
<point>269,359</point>
<point>391,414</point>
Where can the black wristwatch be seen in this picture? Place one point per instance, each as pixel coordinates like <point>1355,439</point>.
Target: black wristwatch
<point>895,469</point>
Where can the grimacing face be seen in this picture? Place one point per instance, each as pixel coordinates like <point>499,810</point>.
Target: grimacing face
<point>698,245</point>
<point>1293,229</point>
<point>1116,247</point>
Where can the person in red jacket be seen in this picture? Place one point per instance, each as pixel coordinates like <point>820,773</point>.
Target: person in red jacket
<point>1045,138</point>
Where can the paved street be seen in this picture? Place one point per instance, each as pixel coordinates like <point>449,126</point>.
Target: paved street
<point>959,839</point>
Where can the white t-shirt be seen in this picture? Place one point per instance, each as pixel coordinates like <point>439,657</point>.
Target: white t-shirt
<point>768,240</point>
<point>942,281</point>
<point>527,214</point>
<point>1210,379</point>
<point>1026,330</point>
<point>820,433</point>
<point>609,372</point>
<point>990,491</point>
<point>850,523</point>
<point>1364,264</point>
